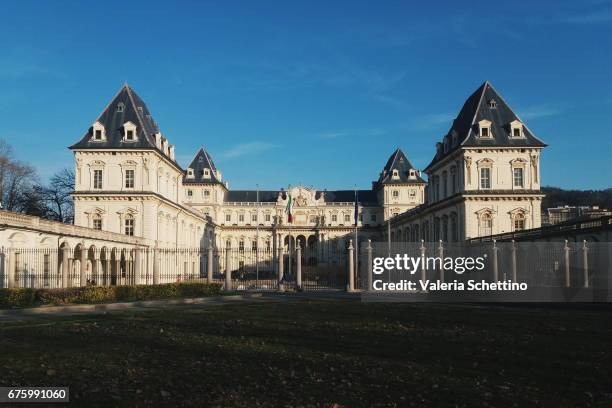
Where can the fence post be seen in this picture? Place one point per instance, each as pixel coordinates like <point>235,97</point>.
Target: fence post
<point>567,264</point>
<point>137,266</point>
<point>423,267</point>
<point>65,267</point>
<point>298,268</point>
<point>209,264</point>
<point>351,267</point>
<point>441,255</point>
<point>513,260</point>
<point>155,267</point>
<point>11,268</point>
<point>228,269</point>
<point>495,268</point>
<point>369,264</point>
<point>281,271</point>
<point>83,272</point>
<point>585,263</point>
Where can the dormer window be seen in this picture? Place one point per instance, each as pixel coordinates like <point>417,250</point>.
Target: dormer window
<point>189,172</point>
<point>129,132</point>
<point>207,173</point>
<point>120,107</point>
<point>492,104</point>
<point>516,129</point>
<point>98,131</point>
<point>484,127</point>
<point>412,174</point>
<point>395,174</point>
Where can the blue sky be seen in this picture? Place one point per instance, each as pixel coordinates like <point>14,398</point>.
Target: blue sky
<point>318,93</point>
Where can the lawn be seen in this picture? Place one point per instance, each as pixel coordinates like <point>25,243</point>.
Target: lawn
<point>320,353</point>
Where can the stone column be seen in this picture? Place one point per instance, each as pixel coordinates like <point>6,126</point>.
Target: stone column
<point>95,269</point>
<point>155,267</point>
<point>441,255</point>
<point>281,269</point>
<point>118,268</point>
<point>137,278</point>
<point>107,273</point>
<point>369,265</point>
<point>566,253</point>
<point>65,267</point>
<point>351,267</point>
<point>513,261</point>
<point>585,263</point>
<point>11,268</point>
<point>228,270</point>
<point>83,271</point>
<point>423,267</point>
<point>298,271</point>
<point>209,265</point>
<point>495,270</point>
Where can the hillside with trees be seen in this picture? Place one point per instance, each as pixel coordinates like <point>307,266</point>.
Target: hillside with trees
<point>557,197</point>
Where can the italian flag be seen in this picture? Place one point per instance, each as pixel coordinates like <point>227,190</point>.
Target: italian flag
<point>289,209</point>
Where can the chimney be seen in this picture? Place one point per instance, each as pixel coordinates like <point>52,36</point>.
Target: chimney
<point>171,152</point>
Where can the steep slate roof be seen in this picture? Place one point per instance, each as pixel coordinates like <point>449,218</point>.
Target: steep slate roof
<point>113,122</point>
<point>475,109</point>
<point>201,161</point>
<point>398,161</point>
<point>364,197</point>
<point>250,196</point>
<point>270,196</point>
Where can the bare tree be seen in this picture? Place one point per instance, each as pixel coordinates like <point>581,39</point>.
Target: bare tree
<point>17,179</point>
<point>57,198</point>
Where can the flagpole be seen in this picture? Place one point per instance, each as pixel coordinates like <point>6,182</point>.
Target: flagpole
<point>356,246</point>
<point>257,239</point>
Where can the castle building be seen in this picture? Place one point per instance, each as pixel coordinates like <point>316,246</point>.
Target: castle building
<point>128,181</point>
<point>484,179</point>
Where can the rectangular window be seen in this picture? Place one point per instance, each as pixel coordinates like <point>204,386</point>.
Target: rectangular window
<point>97,224</point>
<point>228,217</point>
<point>519,224</point>
<point>206,193</point>
<point>254,217</point>
<point>484,132</point>
<point>189,193</point>
<point>347,218</point>
<point>129,179</point>
<point>516,132</point>
<point>268,217</point>
<point>373,217</point>
<point>241,217</point>
<point>129,135</point>
<point>334,218</point>
<point>517,174</point>
<point>454,180</point>
<point>254,246</point>
<point>97,181</point>
<point>129,226</point>
<point>485,177</point>
<point>98,134</point>
<point>395,194</point>
<point>241,246</point>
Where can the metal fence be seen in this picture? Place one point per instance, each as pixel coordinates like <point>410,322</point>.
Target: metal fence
<point>319,267</point>
<point>537,264</point>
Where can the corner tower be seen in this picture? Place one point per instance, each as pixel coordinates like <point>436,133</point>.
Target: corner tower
<point>400,186</point>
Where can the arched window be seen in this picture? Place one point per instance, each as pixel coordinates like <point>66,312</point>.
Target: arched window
<point>454,228</point>
<point>485,224</point>
<point>519,221</point>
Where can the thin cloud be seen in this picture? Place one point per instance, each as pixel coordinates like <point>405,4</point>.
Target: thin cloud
<point>540,111</point>
<point>247,149</point>
<point>351,133</point>
<point>597,17</point>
